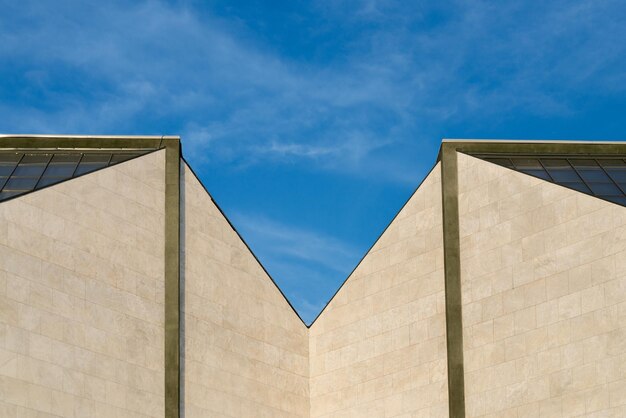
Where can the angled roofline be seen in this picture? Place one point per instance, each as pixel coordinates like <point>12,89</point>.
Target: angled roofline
<point>44,142</point>
<point>528,141</point>
<point>374,243</point>
<point>219,208</point>
<point>76,142</point>
<point>481,144</point>
<point>61,141</point>
<point>531,145</point>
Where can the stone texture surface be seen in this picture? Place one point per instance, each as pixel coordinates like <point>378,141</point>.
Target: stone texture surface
<point>246,351</point>
<point>544,297</point>
<point>81,296</point>
<point>81,306</point>
<point>378,349</point>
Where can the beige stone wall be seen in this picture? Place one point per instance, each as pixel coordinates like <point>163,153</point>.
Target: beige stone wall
<point>544,296</point>
<point>81,306</point>
<point>246,351</point>
<point>81,296</point>
<point>378,349</point>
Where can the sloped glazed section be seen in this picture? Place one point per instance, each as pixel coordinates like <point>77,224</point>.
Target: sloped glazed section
<point>24,172</point>
<point>603,177</point>
<point>379,348</point>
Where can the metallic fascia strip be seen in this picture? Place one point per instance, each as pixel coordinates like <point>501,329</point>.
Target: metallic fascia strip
<point>172,279</point>
<point>537,147</point>
<point>452,249</point>
<point>42,150</point>
<point>452,269</point>
<point>46,142</point>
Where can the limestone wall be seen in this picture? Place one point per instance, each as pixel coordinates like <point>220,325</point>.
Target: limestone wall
<point>543,272</point>
<point>81,296</point>
<point>378,349</point>
<point>246,351</point>
<point>544,296</point>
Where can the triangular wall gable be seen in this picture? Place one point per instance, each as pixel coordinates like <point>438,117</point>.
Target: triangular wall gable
<point>246,350</point>
<point>379,348</point>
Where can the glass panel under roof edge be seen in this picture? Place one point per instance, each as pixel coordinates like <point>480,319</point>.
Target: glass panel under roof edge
<point>23,172</point>
<point>603,177</point>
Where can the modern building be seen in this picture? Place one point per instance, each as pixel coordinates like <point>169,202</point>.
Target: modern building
<point>498,290</point>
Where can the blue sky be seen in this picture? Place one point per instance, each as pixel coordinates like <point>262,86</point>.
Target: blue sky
<point>311,122</point>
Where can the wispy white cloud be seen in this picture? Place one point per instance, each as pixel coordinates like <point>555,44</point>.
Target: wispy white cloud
<point>295,242</point>
<point>410,70</point>
<point>306,264</point>
<point>151,65</point>
<point>297,150</point>
<point>404,72</point>
<point>308,310</point>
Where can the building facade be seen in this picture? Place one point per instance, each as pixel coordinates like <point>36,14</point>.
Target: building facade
<point>499,289</point>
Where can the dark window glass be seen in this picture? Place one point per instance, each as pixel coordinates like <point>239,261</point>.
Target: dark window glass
<point>615,168</point>
<point>505,162</point>
<point>118,158</point>
<point>8,163</point>
<point>62,165</point>
<point>609,189</point>
<point>580,186</point>
<point>531,166</point>
<point>601,177</point>
<point>621,200</point>
<point>621,185</point>
<point>47,181</point>
<point>527,164</point>
<point>96,158</point>
<point>91,162</point>
<point>590,171</point>
<point>560,170</point>
<point>32,165</point>
<point>24,172</point>
<point>21,183</point>
<point>5,194</point>
<point>10,157</point>
<point>7,168</point>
